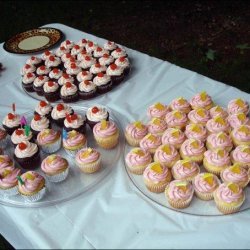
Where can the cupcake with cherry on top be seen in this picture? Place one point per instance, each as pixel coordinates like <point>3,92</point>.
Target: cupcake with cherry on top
<point>59,113</point>
<point>11,122</point>
<point>38,84</point>
<point>124,63</point>
<point>75,122</point>
<point>51,91</point>
<point>116,73</point>
<point>43,108</point>
<point>20,135</point>
<point>27,81</point>
<point>69,92</point>
<point>38,123</point>
<point>103,83</point>
<point>87,90</point>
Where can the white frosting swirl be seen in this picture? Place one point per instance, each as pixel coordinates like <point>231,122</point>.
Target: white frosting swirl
<point>34,60</point>
<point>65,78</point>
<point>52,61</point>
<point>83,87</point>
<point>106,60</point>
<point>30,150</point>
<point>40,80</point>
<point>49,89</point>
<point>40,124</point>
<point>97,68</point>
<point>114,72</point>
<point>27,68</point>
<point>75,123</point>
<point>56,114</point>
<point>122,62</point>
<point>99,52</point>
<point>119,52</point>
<point>67,44</point>
<point>102,114</point>
<point>87,62</point>
<point>67,91</point>
<point>43,70</point>
<point>84,75</point>
<point>110,45</point>
<point>11,122</point>
<point>61,51</point>
<point>28,78</point>
<point>99,81</point>
<point>55,74</point>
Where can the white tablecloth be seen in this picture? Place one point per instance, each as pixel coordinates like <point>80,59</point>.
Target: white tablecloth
<point>115,214</point>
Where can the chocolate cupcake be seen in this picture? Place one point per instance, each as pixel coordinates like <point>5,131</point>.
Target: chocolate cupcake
<point>97,68</point>
<point>103,83</point>
<point>116,73</point>
<point>123,62</point>
<point>51,91</point>
<point>73,69</point>
<point>87,90</point>
<point>27,68</point>
<point>69,92</point>
<point>95,114</point>
<point>53,62</point>
<point>27,81</point>
<point>65,78</point>
<point>19,136</point>
<point>11,122</point>
<point>119,52</point>
<point>110,46</point>
<point>84,75</point>
<point>38,84</point>
<point>55,74</point>
<point>87,62</point>
<point>35,61</point>
<point>75,122</point>
<point>43,70</point>
<point>43,108</point>
<point>59,113</point>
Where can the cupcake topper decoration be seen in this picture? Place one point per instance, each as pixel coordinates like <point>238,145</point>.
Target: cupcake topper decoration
<point>27,130</point>
<point>30,176</point>
<point>201,112</point>
<point>104,124</point>
<point>175,133</point>
<point>194,143</point>
<point>5,173</point>
<point>220,120</point>
<point>151,137</point>
<point>186,163</point>
<point>64,134</point>
<point>181,185</point>
<point>23,121</point>
<point>233,187</point>
<point>51,158</point>
<point>87,152</point>
<point>181,100</point>
<point>244,129</point>
<point>221,135</point>
<point>20,180</point>
<point>236,168</point>
<point>156,167</point>
<point>246,149</point>
<point>138,124</point>
<point>240,102</point>
<point>195,128</point>
<point>166,149</point>
<point>177,114</point>
<point>156,121</point>
<point>209,178</point>
<point>218,109</point>
<point>203,95</point>
<point>14,107</point>
<point>159,106</point>
<point>138,151</point>
<point>241,117</point>
<point>221,152</point>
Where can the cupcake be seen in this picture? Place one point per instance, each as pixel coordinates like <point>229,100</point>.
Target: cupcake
<point>55,74</point>
<point>119,52</point>
<point>59,113</point>
<point>180,104</point>
<point>35,61</point>
<point>201,100</point>
<point>51,91</point>
<point>220,140</point>
<point>179,193</point>
<point>216,161</point>
<point>67,44</point>
<point>229,198</point>
<point>5,161</point>
<point>27,81</point>
<point>185,170</point>
<point>204,185</point>
<point>46,54</point>
<point>49,140</point>
<point>87,90</point>
<point>116,73</point>
<point>73,142</point>
<point>238,119</point>
<point>66,57</point>
<point>43,108</point>
<point>20,135</point>
<point>106,60</point>
<point>38,84</point>
<point>235,174</point>
<point>150,142</point>
<point>166,155</point>
<point>99,52</point>
<point>156,177</point>
<point>95,114</point>
<point>88,160</point>
<point>27,68</point>
<point>192,149</point>
<point>65,78</point>
<point>61,51</point>
<point>241,155</point>
<point>123,62</point>
<point>218,111</point>
<point>238,106</point>
<point>196,131</point>
<point>11,122</point>
<point>157,126</point>
<point>217,124</point>
<point>53,62</point>
<point>38,123</point>
<point>137,160</point>
<point>55,167</point>
<point>8,181</point>
<point>110,46</point>
<point>69,92</point>
<point>173,136</point>
<point>75,122</point>
<point>76,50</point>
<point>134,132</point>
<point>176,119</point>
<point>103,83</point>
<point>106,134</point>
<point>157,110</point>
<point>82,55</point>
<point>73,69</point>
<point>43,71</point>
<point>241,135</point>
<point>27,155</point>
<point>31,186</point>
<point>199,116</point>
<point>82,43</point>
<point>87,62</point>
<point>84,75</point>
<point>90,47</point>
<point>3,138</point>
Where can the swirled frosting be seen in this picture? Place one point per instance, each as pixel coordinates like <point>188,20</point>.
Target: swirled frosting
<point>52,61</point>
<point>82,54</point>
<point>101,79</point>
<point>119,52</point>
<point>157,125</point>
<point>183,169</point>
<point>5,161</point>
<point>99,52</point>
<point>220,140</point>
<point>87,86</point>
<point>87,62</point>
<point>60,113</point>
<point>42,70</point>
<point>133,158</point>
<point>173,136</point>
<point>46,54</point>
<point>47,136</point>
<point>237,106</point>
<point>92,156</point>
<point>73,69</point>
<point>84,75</point>
<point>97,68</point>
<point>30,150</point>
<point>175,118</point>
<point>122,62</point>
<point>67,57</point>
<point>65,78</point>
<point>40,80</point>
<point>8,177</point>
<point>90,46</point>
<point>229,175</point>
<point>76,50</point>
<point>55,73</point>
<point>40,124</point>
<point>28,78</point>
<point>192,147</point>
<point>196,131</point>
<point>27,68</point>
<point>61,51</point>
<point>114,70</point>
<point>109,130</point>
<point>242,133</point>
<point>33,60</point>
<point>180,104</point>
<point>238,119</point>
<point>11,120</point>
<point>101,114</point>
<point>166,157</point>
<point>54,164</point>
<point>203,186</point>
<point>19,135</point>
<point>200,116</point>
<point>201,100</point>
<point>217,158</point>
<point>217,110</point>
<point>110,45</point>
<point>50,87</point>
<point>106,60</point>
<point>150,141</point>
<point>136,132</point>
<point>153,176</point>
<point>67,44</point>
<point>77,122</point>
<point>217,124</point>
<point>157,110</point>
<point>68,90</point>
<point>82,42</point>
<point>43,108</point>
<point>73,139</point>
<point>241,154</point>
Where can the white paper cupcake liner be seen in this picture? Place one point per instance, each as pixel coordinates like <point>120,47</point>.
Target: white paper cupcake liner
<point>50,149</point>
<point>9,192</point>
<point>35,197</point>
<point>58,177</point>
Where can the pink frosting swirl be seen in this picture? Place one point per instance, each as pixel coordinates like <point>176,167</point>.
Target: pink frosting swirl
<point>241,154</point>
<point>9,180</point>
<point>201,134</point>
<point>153,111</point>
<point>230,176</point>
<point>51,166</point>
<point>173,120</point>
<point>157,127</point>
<point>195,117</point>
<point>217,110</point>
<point>111,129</point>
<point>151,175</point>
<point>180,104</point>
<point>169,136</point>
<point>213,126</point>
<point>224,193</point>
<point>5,161</point>
<point>214,158</point>
<point>219,140</point>
<point>134,159</point>
<point>93,156</point>
<point>202,186</point>
<point>234,107</point>
<point>182,172</point>
<point>163,157</point>
<point>147,144</point>
<point>176,193</point>
<point>30,186</point>
<point>240,135</point>
<point>47,136</point>
<point>198,102</point>
<point>238,119</point>
<point>74,140</point>
<point>189,150</point>
<point>136,132</point>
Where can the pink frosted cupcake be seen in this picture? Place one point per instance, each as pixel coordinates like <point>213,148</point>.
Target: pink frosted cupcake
<point>241,155</point>
<point>201,100</point>
<point>218,110</point>
<point>185,170</point>
<point>166,155</point>
<point>150,142</point>
<point>204,185</point>
<point>176,119</point>
<point>220,140</point>
<point>238,119</point>
<point>217,124</point>
<point>158,110</point>
<point>229,198</point>
<point>241,135</point>
<point>137,160</point>
<point>173,136</point>
<point>55,167</point>
<point>157,126</point>
<point>238,106</point>
<point>180,104</point>
<point>216,161</point>
<point>179,193</point>
<point>199,116</point>
<point>192,149</point>
<point>5,161</point>
<point>156,177</point>
<point>88,160</point>
<point>134,133</point>
<point>235,174</point>
<point>196,131</point>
